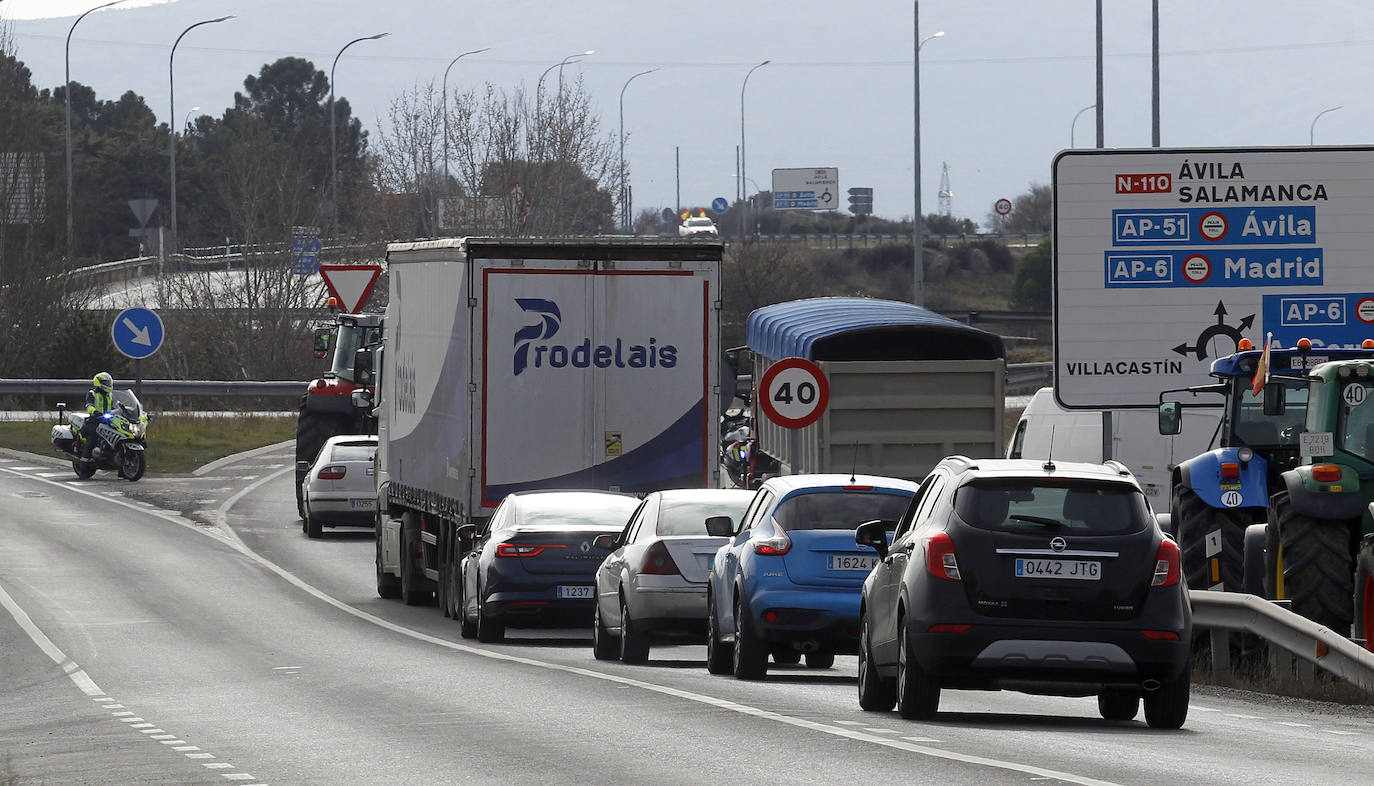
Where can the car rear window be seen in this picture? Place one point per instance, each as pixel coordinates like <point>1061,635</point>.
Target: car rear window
<point>353,451</point>
<point>838,509</point>
<point>1038,505</point>
<point>689,518</point>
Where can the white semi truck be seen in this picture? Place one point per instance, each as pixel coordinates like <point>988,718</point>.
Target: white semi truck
<point>516,364</point>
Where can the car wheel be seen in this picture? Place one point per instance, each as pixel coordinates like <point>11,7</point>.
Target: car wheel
<point>604,645</point>
<point>1118,706</point>
<point>719,658</point>
<point>918,696</point>
<point>490,629</point>
<point>750,659</point>
<point>466,628</point>
<point>820,660</point>
<point>876,692</point>
<point>1167,708</point>
<point>313,527</point>
<point>634,644</point>
<point>787,657</point>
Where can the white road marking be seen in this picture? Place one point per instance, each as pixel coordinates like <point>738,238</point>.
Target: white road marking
<point>881,731</point>
<point>194,748</point>
<point>165,739</point>
<point>920,739</point>
<point>1342,733</point>
<point>238,776</point>
<point>1195,708</point>
<point>1244,717</point>
<point>152,731</point>
<point>127,714</point>
<point>144,725</point>
<point>224,765</point>
<point>1294,725</point>
<point>60,474</point>
<point>847,723</point>
<point>29,469</point>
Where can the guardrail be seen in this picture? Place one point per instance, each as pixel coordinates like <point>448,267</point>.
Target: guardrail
<point>1295,634</point>
<point>1021,376</point>
<point>155,387</point>
<point>867,239</point>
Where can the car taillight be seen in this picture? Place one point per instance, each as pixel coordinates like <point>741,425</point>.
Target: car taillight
<point>1168,564</point>
<point>658,562</point>
<point>777,545</point>
<point>525,549</point>
<point>1160,635</point>
<point>940,557</point>
<point>950,628</point>
<point>333,472</point>
<point>1326,473</point>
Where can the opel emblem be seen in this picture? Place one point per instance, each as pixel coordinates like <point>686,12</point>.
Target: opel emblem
<point>1059,544</point>
<point>586,547</point>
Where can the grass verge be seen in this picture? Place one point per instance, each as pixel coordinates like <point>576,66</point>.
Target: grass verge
<point>176,443</point>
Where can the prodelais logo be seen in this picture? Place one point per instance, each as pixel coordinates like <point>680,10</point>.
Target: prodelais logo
<point>533,350</point>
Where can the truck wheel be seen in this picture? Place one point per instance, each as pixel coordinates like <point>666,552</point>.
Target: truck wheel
<point>388,586</point>
<point>718,654</point>
<point>1167,707</point>
<point>1318,568</point>
<point>750,658</point>
<point>1195,520</point>
<point>604,645</point>
<point>1254,560</point>
<point>876,692</point>
<point>634,644</point>
<point>918,696</point>
<point>411,593</point>
<point>1364,592</point>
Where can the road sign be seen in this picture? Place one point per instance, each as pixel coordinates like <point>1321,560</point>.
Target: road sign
<point>143,209</point>
<point>861,201</point>
<point>1165,258</point>
<point>806,189</point>
<point>350,284</point>
<point>1002,206</point>
<point>720,205</point>
<point>137,332</point>
<point>795,392</point>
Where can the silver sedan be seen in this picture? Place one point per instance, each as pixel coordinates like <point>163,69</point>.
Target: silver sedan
<point>654,582</point>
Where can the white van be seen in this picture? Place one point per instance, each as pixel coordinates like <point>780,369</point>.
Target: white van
<point>1047,430</point>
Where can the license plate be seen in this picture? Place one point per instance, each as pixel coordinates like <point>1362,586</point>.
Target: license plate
<point>362,504</point>
<point>861,562</point>
<point>1058,569</point>
<point>566,591</point>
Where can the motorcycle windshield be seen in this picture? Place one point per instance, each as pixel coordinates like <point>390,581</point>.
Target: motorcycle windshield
<point>126,404</point>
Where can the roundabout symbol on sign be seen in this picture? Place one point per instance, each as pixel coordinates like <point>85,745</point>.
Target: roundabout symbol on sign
<point>795,393</point>
<point>1197,268</point>
<point>1212,226</point>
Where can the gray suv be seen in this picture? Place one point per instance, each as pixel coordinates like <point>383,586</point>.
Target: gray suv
<point>1035,576</point>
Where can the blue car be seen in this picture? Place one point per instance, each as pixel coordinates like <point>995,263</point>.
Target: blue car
<point>787,583</point>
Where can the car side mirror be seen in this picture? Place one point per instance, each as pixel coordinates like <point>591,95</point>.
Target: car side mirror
<point>361,398</point>
<point>1275,398</point>
<point>720,526</point>
<point>607,541</point>
<point>302,466</point>
<point>466,531</point>
<point>1170,417</point>
<point>323,338</point>
<point>362,366</point>
<point>874,535</point>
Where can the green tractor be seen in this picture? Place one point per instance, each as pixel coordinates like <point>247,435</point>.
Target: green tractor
<point>1316,548</point>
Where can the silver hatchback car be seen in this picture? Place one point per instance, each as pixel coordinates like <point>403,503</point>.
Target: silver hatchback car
<point>339,488</point>
<point>655,580</point>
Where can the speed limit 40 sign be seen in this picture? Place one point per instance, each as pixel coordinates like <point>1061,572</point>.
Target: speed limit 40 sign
<point>794,393</point>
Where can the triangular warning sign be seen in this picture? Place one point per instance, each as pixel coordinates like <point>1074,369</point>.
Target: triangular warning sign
<point>350,284</point>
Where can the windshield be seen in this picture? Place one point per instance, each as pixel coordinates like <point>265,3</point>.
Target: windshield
<point>351,339</point>
<point>1025,505</point>
<point>689,518</point>
<point>839,509</point>
<point>1357,419</point>
<point>1251,426</point>
<point>126,404</point>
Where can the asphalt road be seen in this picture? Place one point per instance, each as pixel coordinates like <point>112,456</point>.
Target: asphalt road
<point>184,630</point>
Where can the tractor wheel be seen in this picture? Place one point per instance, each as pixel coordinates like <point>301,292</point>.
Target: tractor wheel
<point>1195,520</point>
<point>1317,565</point>
<point>1364,592</point>
<point>1255,537</point>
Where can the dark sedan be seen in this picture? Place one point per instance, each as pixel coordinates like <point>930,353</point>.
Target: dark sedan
<point>536,558</point>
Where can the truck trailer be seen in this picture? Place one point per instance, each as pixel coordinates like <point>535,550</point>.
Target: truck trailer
<point>519,364</point>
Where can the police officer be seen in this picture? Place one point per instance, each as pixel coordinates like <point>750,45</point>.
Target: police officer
<point>99,400</point>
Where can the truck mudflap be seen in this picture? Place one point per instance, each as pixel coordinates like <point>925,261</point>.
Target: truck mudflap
<point>1336,501</point>
<point>1203,474</point>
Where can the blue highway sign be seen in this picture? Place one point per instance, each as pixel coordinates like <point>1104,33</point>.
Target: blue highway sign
<point>137,332</point>
<point>720,205</point>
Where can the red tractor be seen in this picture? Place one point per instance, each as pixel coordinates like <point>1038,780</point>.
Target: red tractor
<point>327,408</point>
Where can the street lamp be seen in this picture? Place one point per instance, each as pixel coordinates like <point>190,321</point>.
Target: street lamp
<point>1312,129</point>
<point>186,122</point>
<point>918,260</point>
<point>68,84</point>
<point>1073,126</point>
<point>333,132</point>
<point>445,108</point>
<point>624,201</point>
<point>742,171</point>
<point>171,115</point>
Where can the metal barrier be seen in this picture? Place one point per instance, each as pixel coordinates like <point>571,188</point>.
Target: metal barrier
<point>154,387</point>
<point>1313,643</point>
<point>1029,375</point>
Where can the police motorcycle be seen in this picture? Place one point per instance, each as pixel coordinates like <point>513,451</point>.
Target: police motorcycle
<point>120,437</point>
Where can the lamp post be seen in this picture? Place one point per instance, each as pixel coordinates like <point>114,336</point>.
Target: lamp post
<point>744,219</point>
<point>172,104</point>
<point>334,135</point>
<point>445,108</point>
<point>1074,125</point>
<point>918,294</point>
<point>624,201</point>
<point>1312,129</point>
<point>539,88</point>
<point>68,89</point>
<point>186,121</point>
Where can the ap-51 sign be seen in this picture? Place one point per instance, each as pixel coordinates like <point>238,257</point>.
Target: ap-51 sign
<point>1165,258</point>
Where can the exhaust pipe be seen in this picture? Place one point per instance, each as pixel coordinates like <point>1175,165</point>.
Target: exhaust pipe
<point>1150,685</point>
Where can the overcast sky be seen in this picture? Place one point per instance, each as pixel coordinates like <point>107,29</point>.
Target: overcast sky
<point>999,90</point>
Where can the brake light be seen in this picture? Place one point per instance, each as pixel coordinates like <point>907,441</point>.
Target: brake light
<point>1160,635</point>
<point>1168,564</point>
<point>940,557</point>
<point>777,545</point>
<point>333,472</point>
<point>1230,470</point>
<point>950,628</point>
<point>1326,473</point>
<point>525,549</point>
<point>658,562</point>
<point>857,488</point>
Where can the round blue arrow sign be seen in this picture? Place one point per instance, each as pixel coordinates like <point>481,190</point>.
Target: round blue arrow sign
<point>137,332</point>
<point>720,205</point>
